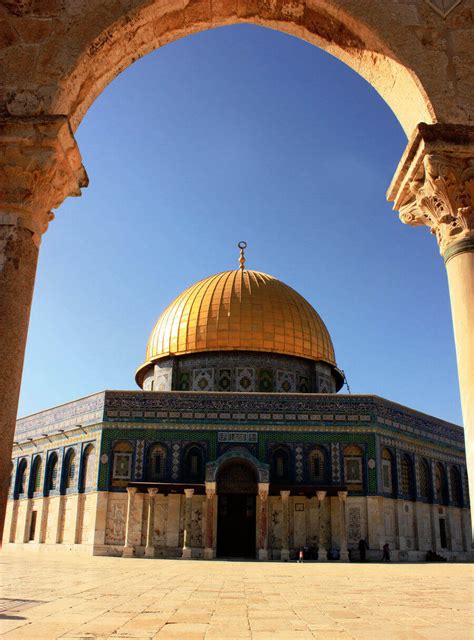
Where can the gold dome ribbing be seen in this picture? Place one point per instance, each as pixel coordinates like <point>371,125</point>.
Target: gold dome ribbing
<point>240,310</point>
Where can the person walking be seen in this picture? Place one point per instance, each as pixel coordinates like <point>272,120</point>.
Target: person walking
<point>386,553</point>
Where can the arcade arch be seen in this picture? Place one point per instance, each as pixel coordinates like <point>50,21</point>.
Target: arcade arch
<point>51,79</point>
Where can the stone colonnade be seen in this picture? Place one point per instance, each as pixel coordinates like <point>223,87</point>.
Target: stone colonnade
<point>339,535</point>
<point>40,165</point>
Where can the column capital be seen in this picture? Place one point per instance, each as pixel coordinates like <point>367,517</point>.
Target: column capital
<point>263,489</point>
<point>40,166</point>
<point>210,489</point>
<point>434,185</point>
<point>285,495</point>
<point>342,495</point>
<point>321,495</point>
<point>132,491</point>
<point>189,493</point>
<point>152,491</point>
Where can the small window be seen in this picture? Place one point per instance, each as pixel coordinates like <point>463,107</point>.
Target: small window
<point>70,470</point>
<point>440,484</point>
<point>193,464</point>
<point>22,467</point>
<point>456,486</point>
<point>156,463</point>
<point>52,475</point>
<point>281,465</point>
<point>317,465</point>
<point>88,467</point>
<point>353,469</point>
<point>37,472</point>
<point>122,461</point>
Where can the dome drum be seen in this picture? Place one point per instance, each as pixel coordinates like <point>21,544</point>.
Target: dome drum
<point>241,371</point>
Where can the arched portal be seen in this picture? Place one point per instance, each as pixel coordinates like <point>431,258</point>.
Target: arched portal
<point>236,509</point>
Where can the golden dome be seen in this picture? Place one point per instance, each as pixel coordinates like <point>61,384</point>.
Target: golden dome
<point>239,310</point>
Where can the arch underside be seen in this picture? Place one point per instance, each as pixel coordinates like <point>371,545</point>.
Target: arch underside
<point>88,46</point>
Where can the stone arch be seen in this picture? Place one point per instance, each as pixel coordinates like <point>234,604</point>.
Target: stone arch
<point>87,48</point>
<point>238,455</point>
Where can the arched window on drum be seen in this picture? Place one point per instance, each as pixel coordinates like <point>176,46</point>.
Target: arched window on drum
<point>280,465</point>
<point>354,467</point>
<point>156,463</point>
<point>317,464</point>
<point>388,484</point>
<point>407,480</point>
<point>122,455</point>
<point>88,468</point>
<point>36,473</point>
<point>456,486</point>
<point>193,464</point>
<point>424,479</point>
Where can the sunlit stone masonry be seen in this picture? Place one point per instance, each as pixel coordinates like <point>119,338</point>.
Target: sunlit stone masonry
<point>238,445</point>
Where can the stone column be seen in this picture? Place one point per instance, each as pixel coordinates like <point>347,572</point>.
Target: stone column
<point>188,512</point>
<point>209,534</point>
<point>343,554</point>
<point>322,551</point>
<point>129,549</point>
<point>40,166</point>
<point>262,521</point>
<point>150,548</point>
<point>285,527</point>
<point>434,187</point>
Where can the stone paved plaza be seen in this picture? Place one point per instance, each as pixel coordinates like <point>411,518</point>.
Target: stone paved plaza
<point>73,597</point>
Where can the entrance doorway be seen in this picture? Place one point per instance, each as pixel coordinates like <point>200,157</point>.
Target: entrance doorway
<point>236,518</point>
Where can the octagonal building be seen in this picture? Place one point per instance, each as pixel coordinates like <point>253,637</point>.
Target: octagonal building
<point>238,445</point>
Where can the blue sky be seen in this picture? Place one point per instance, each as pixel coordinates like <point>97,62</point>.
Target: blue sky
<point>239,133</point>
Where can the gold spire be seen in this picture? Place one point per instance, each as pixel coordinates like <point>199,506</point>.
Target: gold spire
<point>242,246</point>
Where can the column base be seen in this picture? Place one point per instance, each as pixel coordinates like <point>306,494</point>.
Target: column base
<point>209,553</point>
<point>322,555</point>
<point>262,554</point>
<point>187,553</point>
<point>285,555</point>
<point>149,552</point>
<point>343,556</point>
<point>128,552</point>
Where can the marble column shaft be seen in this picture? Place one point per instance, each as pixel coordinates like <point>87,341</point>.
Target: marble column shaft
<point>285,528</point>
<point>344,554</point>
<point>209,540</point>
<point>129,549</point>
<point>150,548</point>
<point>40,165</point>
<point>188,504</point>
<point>322,551</point>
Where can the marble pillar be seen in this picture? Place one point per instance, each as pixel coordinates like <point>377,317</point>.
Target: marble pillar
<point>285,527</point>
<point>40,166</point>
<point>322,551</point>
<point>129,549</point>
<point>344,553</point>
<point>209,534</point>
<point>262,521</point>
<point>433,187</point>
<point>150,547</point>
<point>188,512</point>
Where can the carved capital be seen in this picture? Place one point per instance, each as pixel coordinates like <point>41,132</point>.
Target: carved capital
<point>342,495</point>
<point>132,491</point>
<point>321,495</point>
<point>152,491</point>
<point>189,493</point>
<point>434,185</point>
<point>40,166</point>
<point>284,495</point>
